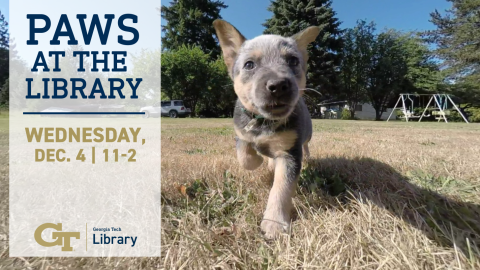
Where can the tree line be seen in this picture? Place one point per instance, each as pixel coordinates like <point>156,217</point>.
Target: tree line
<point>358,64</point>
<point>4,61</point>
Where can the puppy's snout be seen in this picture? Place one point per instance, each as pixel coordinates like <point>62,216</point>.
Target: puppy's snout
<point>278,86</point>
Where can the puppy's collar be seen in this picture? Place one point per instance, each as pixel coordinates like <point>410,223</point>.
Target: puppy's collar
<point>258,120</point>
<point>256,116</point>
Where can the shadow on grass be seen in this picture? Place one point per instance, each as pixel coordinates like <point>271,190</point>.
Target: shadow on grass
<point>444,220</point>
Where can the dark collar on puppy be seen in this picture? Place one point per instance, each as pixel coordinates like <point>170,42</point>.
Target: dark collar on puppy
<point>256,116</point>
<point>257,121</point>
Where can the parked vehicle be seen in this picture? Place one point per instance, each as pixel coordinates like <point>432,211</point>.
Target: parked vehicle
<point>174,109</point>
<point>151,111</point>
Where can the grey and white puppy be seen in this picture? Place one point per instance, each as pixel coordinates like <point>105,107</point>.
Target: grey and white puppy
<point>270,118</point>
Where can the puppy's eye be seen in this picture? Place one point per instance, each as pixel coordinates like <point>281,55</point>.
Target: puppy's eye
<point>249,65</point>
<point>293,61</point>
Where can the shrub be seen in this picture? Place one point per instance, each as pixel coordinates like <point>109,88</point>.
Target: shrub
<point>474,114</point>
<point>418,110</point>
<point>346,114</point>
<point>455,116</point>
<point>399,114</point>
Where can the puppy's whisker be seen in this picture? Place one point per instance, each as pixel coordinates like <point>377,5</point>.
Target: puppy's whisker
<point>310,89</point>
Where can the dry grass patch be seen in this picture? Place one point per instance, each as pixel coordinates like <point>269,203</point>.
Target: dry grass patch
<point>375,195</point>
<point>3,182</point>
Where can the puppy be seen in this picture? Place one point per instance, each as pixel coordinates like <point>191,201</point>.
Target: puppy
<point>270,117</point>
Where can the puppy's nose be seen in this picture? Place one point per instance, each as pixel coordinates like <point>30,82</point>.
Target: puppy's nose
<point>278,86</point>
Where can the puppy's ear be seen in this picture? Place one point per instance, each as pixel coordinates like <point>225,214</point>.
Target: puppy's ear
<point>230,40</point>
<point>306,36</point>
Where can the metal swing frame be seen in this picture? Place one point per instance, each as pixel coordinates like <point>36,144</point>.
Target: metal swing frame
<point>433,97</point>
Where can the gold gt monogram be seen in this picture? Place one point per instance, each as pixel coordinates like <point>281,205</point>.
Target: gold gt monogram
<point>62,237</point>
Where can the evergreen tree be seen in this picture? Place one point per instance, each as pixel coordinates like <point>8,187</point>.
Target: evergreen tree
<point>291,16</point>
<point>190,22</point>
<point>457,37</point>
<point>4,93</point>
<point>4,49</point>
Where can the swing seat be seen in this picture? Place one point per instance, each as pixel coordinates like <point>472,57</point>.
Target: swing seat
<point>439,113</point>
<point>408,115</point>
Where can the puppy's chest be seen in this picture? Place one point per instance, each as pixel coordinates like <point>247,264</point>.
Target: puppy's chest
<point>270,144</point>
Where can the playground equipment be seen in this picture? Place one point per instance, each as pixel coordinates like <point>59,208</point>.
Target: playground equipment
<point>441,102</point>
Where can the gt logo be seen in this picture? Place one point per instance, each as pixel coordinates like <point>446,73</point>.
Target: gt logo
<point>62,237</point>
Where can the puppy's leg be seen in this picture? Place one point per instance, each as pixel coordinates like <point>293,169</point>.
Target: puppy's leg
<point>306,151</point>
<point>247,156</point>
<point>276,218</point>
<point>271,164</point>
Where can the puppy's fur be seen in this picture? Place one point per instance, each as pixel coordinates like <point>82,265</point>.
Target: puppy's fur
<point>270,118</point>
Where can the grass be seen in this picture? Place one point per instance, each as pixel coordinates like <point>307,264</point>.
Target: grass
<point>3,184</point>
<point>375,195</point>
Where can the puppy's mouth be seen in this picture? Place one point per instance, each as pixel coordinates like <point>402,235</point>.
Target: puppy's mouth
<point>276,110</point>
<point>276,106</point>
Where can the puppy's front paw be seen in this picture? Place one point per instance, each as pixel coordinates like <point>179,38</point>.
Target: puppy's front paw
<point>272,229</point>
<point>251,162</point>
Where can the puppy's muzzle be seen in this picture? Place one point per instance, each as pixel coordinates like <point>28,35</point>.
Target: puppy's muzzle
<point>279,87</point>
<point>278,95</point>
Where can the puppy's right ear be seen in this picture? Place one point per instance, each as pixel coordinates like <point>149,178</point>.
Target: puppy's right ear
<point>230,40</point>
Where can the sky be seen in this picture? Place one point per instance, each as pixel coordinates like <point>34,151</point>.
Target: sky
<point>406,15</point>
<point>248,15</point>
<point>4,9</point>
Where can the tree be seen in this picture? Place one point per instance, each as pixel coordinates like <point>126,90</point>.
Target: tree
<point>401,63</point>
<point>291,16</point>
<point>457,40</point>
<point>147,65</point>
<point>190,22</point>
<point>423,71</point>
<point>204,85</point>
<point>13,91</point>
<point>4,93</point>
<point>185,74</point>
<point>4,54</point>
<point>388,70</point>
<point>219,97</point>
<point>356,63</point>
<point>377,67</point>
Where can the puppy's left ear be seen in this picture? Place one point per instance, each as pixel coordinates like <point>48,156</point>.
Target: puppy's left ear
<point>306,37</point>
<point>230,40</point>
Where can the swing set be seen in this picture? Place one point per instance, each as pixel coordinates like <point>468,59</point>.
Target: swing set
<point>439,108</point>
